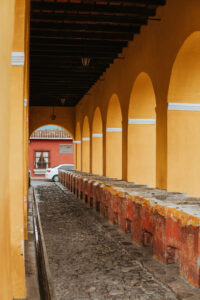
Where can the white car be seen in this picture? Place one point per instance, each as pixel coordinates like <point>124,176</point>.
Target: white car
<point>52,173</point>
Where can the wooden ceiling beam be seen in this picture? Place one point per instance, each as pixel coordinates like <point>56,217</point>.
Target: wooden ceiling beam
<point>74,56</point>
<point>65,79</point>
<point>127,2</point>
<point>71,68</point>
<point>94,8</point>
<point>71,42</point>
<point>56,94</point>
<point>65,84</point>
<point>73,28</point>
<point>74,75</point>
<point>52,93</point>
<point>82,36</point>
<point>84,19</point>
<point>75,50</point>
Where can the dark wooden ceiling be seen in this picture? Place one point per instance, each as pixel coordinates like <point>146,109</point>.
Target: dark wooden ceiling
<point>63,31</point>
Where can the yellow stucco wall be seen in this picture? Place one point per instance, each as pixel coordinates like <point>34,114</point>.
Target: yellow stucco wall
<point>26,121</point>
<point>114,139</point>
<point>97,143</point>
<point>85,146</point>
<point>142,137</point>
<point>142,154</point>
<point>183,152</point>
<point>184,126</point>
<point>78,147</point>
<point>41,115</point>
<point>6,37</point>
<point>153,51</point>
<point>16,153</point>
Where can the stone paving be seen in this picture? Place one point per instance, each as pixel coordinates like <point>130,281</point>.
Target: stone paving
<point>91,259</point>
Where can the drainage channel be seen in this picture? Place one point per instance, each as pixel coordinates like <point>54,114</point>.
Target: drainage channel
<point>44,275</point>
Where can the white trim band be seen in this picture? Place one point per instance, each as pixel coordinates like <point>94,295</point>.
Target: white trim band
<point>113,129</point>
<point>184,106</point>
<point>142,121</point>
<point>85,139</point>
<point>49,138</point>
<point>77,142</point>
<point>97,135</point>
<point>17,59</point>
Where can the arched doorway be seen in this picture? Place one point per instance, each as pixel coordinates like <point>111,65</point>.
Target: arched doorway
<point>49,147</point>
<point>142,132</point>
<point>114,139</point>
<point>77,143</point>
<point>97,143</point>
<point>86,146</point>
<point>184,119</point>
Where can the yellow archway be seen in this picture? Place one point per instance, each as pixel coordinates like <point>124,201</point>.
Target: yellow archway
<point>86,146</point>
<point>184,119</point>
<point>77,147</point>
<point>97,143</point>
<point>142,132</point>
<point>114,139</point>
<point>49,124</point>
<point>40,116</point>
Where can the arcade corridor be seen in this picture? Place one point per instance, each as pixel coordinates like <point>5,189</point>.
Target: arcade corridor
<point>122,78</point>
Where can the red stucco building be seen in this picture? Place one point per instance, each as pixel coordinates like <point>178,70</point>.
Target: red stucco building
<point>48,149</point>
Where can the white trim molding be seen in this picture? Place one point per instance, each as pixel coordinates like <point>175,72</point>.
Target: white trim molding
<point>97,135</point>
<point>77,142</point>
<point>85,139</point>
<point>25,102</point>
<point>17,59</point>
<point>184,106</point>
<point>142,121</point>
<point>113,129</point>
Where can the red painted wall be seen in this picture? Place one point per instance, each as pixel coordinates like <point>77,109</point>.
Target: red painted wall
<point>53,147</point>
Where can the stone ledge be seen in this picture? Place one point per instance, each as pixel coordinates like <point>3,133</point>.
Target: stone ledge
<point>168,222</point>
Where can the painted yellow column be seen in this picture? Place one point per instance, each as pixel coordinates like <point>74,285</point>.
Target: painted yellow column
<point>97,144</point>
<point>97,153</point>
<point>183,130</point>
<point>142,132</point>
<point>77,143</point>
<point>75,155</point>
<point>114,138</point>
<point>6,37</point>
<point>26,120</point>
<point>16,152</point>
<point>125,149</point>
<point>104,150</point>
<point>85,149</point>
<point>78,154</point>
<point>161,145</point>
<point>142,151</point>
<point>183,148</point>
<point>114,152</point>
<point>86,154</point>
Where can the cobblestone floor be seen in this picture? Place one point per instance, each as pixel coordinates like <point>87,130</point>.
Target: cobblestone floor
<point>91,259</point>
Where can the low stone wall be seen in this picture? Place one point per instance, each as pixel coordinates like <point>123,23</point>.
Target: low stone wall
<point>168,222</point>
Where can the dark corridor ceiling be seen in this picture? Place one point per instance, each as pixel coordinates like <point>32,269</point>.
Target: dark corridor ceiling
<point>63,31</point>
